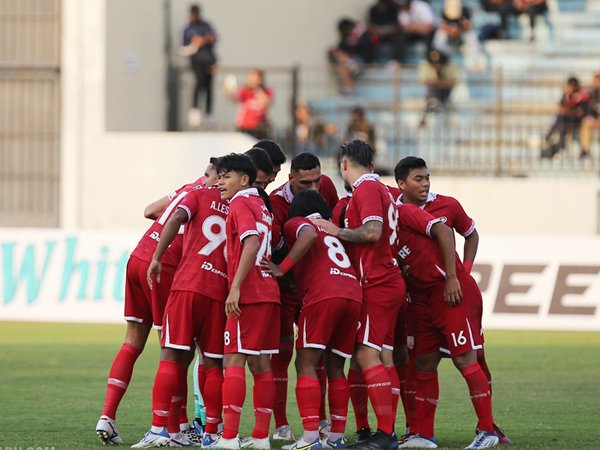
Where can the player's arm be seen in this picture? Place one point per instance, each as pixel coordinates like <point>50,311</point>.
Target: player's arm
<point>306,238</point>
<point>470,250</point>
<point>368,232</point>
<point>445,239</point>
<point>247,260</point>
<point>170,230</point>
<point>153,210</point>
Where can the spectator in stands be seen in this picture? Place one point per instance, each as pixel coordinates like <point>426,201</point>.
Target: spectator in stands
<point>255,99</point>
<point>417,23</point>
<point>533,8</point>
<point>504,8</point>
<point>383,23</point>
<point>571,110</point>
<point>360,128</point>
<point>440,76</point>
<point>198,43</point>
<point>357,46</point>
<point>312,135</point>
<point>456,28</point>
<point>591,121</point>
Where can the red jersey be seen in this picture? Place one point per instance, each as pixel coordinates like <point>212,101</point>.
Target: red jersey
<point>371,200</point>
<point>281,199</point>
<point>203,268</point>
<point>339,212</point>
<point>325,271</point>
<point>248,215</point>
<point>419,255</point>
<point>450,211</point>
<point>395,191</point>
<point>147,245</point>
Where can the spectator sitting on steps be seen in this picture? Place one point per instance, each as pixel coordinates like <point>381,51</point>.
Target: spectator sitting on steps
<point>439,76</point>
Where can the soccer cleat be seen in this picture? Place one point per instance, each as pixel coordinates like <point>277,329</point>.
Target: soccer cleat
<point>418,441</point>
<point>180,440</point>
<point>191,434</point>
<point>339,443</point>
<point>251,442</point>
<point>324,429</point>
<point>107,431</point>
<point>394,440</point>
<point>283,433</point>
<point>301,444</point>
<point>362,435</point>
<point>209,440</point>
<point>221,442</point>
<point>484,440</point>
<point>379,439</point>
<point>503,439</point>
<point>151,439</point>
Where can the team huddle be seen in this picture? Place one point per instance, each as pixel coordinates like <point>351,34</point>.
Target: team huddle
<point>373,278</point>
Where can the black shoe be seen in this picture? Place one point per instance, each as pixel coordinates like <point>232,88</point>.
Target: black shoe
<point>377,440</point>
<point>362,435</point>
<point>394,440</point>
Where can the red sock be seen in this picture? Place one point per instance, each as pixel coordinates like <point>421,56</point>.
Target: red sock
<point>402,372</point>
<point>380,393</point>
<point>308,397</point>
<point>183,388</point>
<point>119,377</point>
<point>212,398</point>
<point>322,376</point>
<point>339,394</point>
<point>234,394</point>
<point>426,399</point>
<point>483,364</point>
<point>264,399</point>
<point>279,366</point>
<point>165,387</point>
<point>176,401</point>
<point>201,379</point>
<point>358,395</point>
<point>395,385</point>
<point>409,392</point>
<point>481,396</point>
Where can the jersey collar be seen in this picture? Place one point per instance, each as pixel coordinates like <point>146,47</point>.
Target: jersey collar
<point>244,193</point>
<point>430,197</point>
<point>286,192</point>
<point>365,177</point>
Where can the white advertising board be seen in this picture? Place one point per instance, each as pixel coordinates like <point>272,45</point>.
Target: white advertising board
<point>537,283</point>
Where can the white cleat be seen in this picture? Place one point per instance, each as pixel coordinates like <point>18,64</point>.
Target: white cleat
<point>106,430</point>
<point>221,442</point>
<point>324,429</point>
<point>251,442</point>
<point>283,433</point>
<point>484,440</point>
<point>180,440</point>
<point>151,440</point>
<point>417,441</point>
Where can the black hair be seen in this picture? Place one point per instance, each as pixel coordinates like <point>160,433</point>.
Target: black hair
<point>195,9</point>
<point>308,202</point>
<point>405,165</point>
<point>273,149</point>
<point>261,159</point>
<point>213,160</point>
<point>358,151</point>
<point>345,25</point>
<point>305,161</point>
<point>239,163</point>
<point>265,198</point>
<point>573,81</point>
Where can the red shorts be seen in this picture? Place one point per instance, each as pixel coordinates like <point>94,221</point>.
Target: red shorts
<point>290,310</point>
<point>141,304</point>
<point>190,316</point>
<point>454,330</point>
<point>330,324</point>
<point>255,332</point>
<point>380,307</point>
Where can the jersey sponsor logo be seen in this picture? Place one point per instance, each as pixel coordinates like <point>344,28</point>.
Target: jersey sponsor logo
<point>265,274</point>
<point>404,252</point>
<point>209,268</point>
<point>334,271</point>
<point>155,235</point>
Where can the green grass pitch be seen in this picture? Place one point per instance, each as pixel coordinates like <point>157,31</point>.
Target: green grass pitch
<point>53,376</point>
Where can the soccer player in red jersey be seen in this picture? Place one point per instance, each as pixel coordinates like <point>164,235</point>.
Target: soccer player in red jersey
<point>331,297</point>
<point>194,312</point>
<point>305,173</point>
<point>143,308</point>
<point>371,228</point>
<point>417,183</point>
<point>447,302</point>
<point>252,328</point>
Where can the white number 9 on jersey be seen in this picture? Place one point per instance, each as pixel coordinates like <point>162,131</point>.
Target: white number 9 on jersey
<point>215,238</point>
